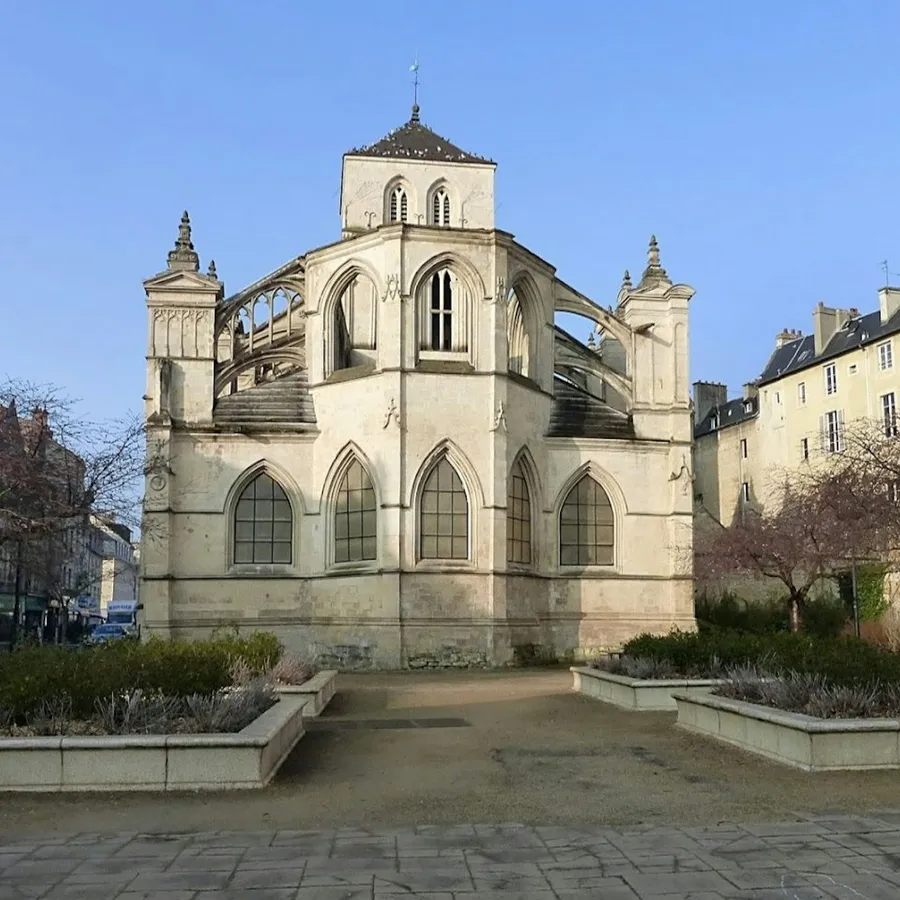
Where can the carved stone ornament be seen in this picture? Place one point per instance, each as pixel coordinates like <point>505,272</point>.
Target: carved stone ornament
<point>392,288</point>
<point>500,418</point>
<point>500,293</point>
<point>392,414</point>
<point>158,483</point>
<point>685,470</point>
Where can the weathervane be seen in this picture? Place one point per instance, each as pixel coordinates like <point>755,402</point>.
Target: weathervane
<point>414,68</point>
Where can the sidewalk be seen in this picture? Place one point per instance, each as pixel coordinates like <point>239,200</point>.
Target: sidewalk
<point>822,858</point>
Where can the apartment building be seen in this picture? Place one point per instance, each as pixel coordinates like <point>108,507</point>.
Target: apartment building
<point>812,386</point>
<point>118,581</point>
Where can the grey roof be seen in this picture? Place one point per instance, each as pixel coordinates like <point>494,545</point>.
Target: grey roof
<point>576,413</point>
<point>281,404</point>
<point>731,413</point>
<point>416,141</point>
<point>801,353</point>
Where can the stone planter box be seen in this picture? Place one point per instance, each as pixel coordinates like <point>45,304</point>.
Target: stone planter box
<point>176,762</point>
<point>636,693</point>
<point>318,692</point>
<point>814,745</point>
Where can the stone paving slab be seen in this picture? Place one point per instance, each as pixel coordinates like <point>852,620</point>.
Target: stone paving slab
<point>833,857</point>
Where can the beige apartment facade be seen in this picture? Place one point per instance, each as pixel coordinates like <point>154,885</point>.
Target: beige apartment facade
<point>798,410</point>
<point>387,453</point>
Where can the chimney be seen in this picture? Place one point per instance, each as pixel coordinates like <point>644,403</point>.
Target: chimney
<point>707,395</point>
<point>750,390</point>
<point>40,418</point>
<point>786,336</point>
<point>888,302</point>
<point>826,322</point>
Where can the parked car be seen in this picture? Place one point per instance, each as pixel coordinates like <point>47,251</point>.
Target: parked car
<point>110,632</point>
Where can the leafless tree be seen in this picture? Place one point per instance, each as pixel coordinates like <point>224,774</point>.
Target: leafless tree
<point>56,469</point>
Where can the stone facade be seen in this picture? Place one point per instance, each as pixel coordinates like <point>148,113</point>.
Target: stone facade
<point>388,454</point>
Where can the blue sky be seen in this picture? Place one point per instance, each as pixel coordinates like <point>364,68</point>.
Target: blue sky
<point>758,141</point>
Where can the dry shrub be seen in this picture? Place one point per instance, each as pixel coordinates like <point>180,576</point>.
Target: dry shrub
<point>291,669</point>
<point>890,628</point>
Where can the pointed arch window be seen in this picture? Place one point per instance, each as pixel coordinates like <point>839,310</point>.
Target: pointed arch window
<point>263,524</point>
<point>440,207</point>
<point>586,526</point>
<point>441,311</point>
<point>444,517</point>
<point>399,205</point>
<point>518,518</point>
<point>355,517</point>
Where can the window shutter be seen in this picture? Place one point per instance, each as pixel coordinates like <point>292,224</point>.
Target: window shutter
<point>823,441</point>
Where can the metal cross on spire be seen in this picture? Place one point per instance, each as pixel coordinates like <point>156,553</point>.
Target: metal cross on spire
<point>414,68</point>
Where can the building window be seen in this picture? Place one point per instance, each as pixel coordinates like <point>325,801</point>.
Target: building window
<point>885,356</point>
<point>355,517</point>
<point>263,524</point>
<point>399,205</point>
<point>444,524</point>
<point>745,492</point>
<point>830,379</point>
<point>518,518</point>
<point>586,530</point>
<point>778,398</point>
<point>889,414</point>
<point>440,208</point>
<point>832,426</point>
<point>801,393</point>
<point>743,448</point>
<point>851,369</point>
<point>804,449</point>
<point>441,311</point>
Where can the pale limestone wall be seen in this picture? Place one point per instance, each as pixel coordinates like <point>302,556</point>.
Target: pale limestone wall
<point>397,417</point>
<point>721,469</point>
<point>367,181</point>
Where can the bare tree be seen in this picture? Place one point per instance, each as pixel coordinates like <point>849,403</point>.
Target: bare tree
<point>809,529</point>
<point>56,469</point>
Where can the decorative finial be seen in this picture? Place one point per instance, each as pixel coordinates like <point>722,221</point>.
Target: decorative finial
<point>626,279</point>
<point>591,342</point>
<point>654,273</point>
<point>414,68</point>
<point>184,257</point>
<point>212,270</point>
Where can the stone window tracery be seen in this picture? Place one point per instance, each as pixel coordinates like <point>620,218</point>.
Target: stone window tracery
<point>440,207</point>
<point>263,524</point>
<point>399,205</point>
<point>444,516</point>
<point>355,517</point>
<point>518,518</point>
<point>441,319</point>
<point>586,526</point>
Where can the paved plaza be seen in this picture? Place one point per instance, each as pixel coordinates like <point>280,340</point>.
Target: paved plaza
<point>835,858</point>
<point>616,805</point>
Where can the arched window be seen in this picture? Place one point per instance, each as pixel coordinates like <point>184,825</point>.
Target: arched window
<point>586,529</point>
<point>441,311</point>
<point>355,517</point>
<point>440,207</point>
<point>517,336</point>
<point>518,518</point>
<point>444,517</point>
<point>399,205</point>
<point>263,524</point>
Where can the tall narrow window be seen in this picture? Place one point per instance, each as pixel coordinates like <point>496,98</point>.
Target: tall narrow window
<point>441,311</point>
<point>885,356</point>
<point>518,518</point>
<point>355,517</point>
<point>801,393</point>
<point>586,526</point>
<point>399,206</point>
<point>743,448</point>
<point>804,449</point>
<point>745,492</point>
<point>263,523</point>
<point>440,208</point>
<point>832,431</point>
<point>889,414</point>
<point>830,379</point>
<point>444,522</point>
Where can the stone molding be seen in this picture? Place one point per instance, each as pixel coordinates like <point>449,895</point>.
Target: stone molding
<point>642,694</point>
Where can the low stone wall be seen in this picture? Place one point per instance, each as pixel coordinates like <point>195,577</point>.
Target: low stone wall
<point>318,692</point>
<point>176,762</point>
<point>814,745</point>
<point>635,693</point>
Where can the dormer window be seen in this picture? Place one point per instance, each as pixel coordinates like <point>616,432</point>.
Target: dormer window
<point>440,208</point>
<point>399,205</point>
